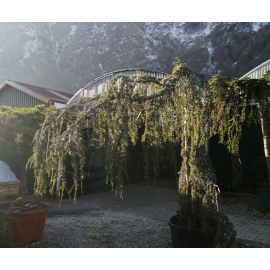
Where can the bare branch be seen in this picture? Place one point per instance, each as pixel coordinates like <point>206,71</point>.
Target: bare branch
<point>138,116</point>
<point>49,133</point>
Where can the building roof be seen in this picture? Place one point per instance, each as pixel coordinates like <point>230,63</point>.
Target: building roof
<point>43,94</point>
<point>258,71</point>
<point>100,82</point>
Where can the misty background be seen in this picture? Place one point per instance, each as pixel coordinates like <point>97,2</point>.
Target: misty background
<point>66,56</point>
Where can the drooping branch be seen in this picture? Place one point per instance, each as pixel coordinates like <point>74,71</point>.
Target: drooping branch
<point>65,110</point>
<point>91,109</point>
<point>82,117</point>
<point>233,101</point>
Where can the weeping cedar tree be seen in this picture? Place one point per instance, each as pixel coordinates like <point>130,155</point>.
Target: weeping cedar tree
<point>18,127</point>
<point>234,102</point>
<point>172,111</point>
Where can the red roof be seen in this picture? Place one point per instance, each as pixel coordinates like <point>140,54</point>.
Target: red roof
<point>43,94</point>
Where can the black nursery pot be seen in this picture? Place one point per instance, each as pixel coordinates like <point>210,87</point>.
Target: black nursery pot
<point>189,238</point>
<point>263,191</point>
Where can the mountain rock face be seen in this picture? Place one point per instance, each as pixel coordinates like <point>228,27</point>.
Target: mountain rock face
<point>66,56</point>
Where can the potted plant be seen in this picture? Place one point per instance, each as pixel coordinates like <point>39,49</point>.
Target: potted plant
<point>237,101</point>
<point>26,218</point>
<point>173,111</point>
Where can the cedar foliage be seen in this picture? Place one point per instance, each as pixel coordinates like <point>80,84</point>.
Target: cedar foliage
<point>173,111</point>
<point>234,102</point>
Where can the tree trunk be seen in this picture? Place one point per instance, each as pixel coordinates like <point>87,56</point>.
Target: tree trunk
<point>190,221</point>
<point>58,183</point>
<point>266,141</point>
<point>207,141</point>
<point>23,179</point>
<point>190,218</point>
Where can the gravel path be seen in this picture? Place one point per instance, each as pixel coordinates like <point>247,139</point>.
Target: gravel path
<point>105,229</point>
<point>140,220</point>
<point>241,206</point>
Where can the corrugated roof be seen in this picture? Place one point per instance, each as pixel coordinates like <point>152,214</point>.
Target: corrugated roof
<point>258,71</point>
<point>44,94</point>
<point>114,73</point>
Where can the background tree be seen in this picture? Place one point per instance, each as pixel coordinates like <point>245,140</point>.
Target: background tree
<point>18,126</point>
<point>236,101</point>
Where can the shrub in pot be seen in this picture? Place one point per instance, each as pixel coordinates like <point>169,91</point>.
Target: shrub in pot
<point>173,111</point>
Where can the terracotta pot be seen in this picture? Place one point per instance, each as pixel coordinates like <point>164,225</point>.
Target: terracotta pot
<point>27,227</point>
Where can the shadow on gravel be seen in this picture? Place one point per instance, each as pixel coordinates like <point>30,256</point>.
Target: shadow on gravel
<point>92,212</point>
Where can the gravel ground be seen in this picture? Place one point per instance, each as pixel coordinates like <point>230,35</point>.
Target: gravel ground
<point>104,229</point>
<point>241,243</point>
<point>242,206</point>
<point>246,206</point>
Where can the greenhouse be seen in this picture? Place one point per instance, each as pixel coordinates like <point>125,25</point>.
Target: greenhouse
<point>98,85</point>
<point>259,71</point>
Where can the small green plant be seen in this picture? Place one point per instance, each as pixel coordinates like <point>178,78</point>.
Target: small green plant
<point>22,205</point>
<point>5,231</point>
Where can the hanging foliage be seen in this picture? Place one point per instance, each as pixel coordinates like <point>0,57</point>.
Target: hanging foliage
<point>234,102</point>
<point>173,111</point>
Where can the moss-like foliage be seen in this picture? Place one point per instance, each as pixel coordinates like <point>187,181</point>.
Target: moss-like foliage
<point>173,111</point>
<point>18,127</point>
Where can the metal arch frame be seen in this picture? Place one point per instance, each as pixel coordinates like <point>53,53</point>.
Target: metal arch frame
<point>255,69</point>
<point>114,73</point>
